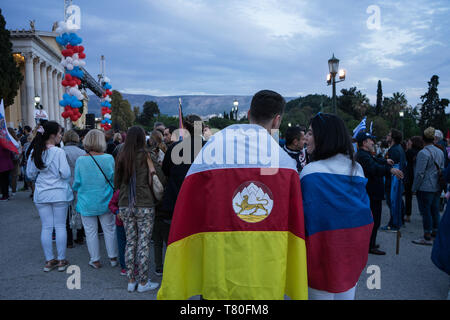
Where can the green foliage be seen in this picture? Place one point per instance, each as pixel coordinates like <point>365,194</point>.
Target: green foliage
<point>433,108</point>
<point>122,117</point>
<point>150,110</point>
<point>379,105</point>
<point>10,76</point>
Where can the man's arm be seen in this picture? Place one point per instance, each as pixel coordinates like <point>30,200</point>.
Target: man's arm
<point>372,167</point>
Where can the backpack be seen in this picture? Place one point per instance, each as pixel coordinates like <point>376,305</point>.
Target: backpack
<point>441,179</point>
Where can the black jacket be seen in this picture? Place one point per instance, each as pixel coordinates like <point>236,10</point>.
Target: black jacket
<point>175,176</point>
<point>374,170</point>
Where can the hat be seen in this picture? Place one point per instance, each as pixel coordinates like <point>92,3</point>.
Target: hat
<point>362,135</point>
<point>429,133</point>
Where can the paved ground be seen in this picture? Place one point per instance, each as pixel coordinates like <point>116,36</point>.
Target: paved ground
<point>409,275</point>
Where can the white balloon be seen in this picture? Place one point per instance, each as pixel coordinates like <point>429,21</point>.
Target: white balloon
<point>75,56</point>
<point>107,116</point>
<point>69,60</point>
<point>76,63</point>
<point>108,99</point>
<point>69,66</point>
<point>106,79</point>
<point>82,63</point>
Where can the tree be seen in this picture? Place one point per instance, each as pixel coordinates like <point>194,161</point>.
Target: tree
<point>150,110</point>
<point>136,112</point>
<point>122,117</point>
<point>379,106</point>
<point>433,108</point>
<point>392,107</point>
<point>10,76</point>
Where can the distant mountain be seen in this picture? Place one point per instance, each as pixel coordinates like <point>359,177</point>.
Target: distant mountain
<point>200,105</point>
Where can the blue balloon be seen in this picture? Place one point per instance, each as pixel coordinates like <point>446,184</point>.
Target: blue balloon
<point>107,86</point>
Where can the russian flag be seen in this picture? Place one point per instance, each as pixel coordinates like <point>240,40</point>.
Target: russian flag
<point>6,141</point>
<point>338,223</point>
<point>237,231</point>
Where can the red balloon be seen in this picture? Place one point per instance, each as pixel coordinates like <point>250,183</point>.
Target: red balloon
<point>67,52</point>
<point>80,49</point>
<point>82,55</point>
<point>69,46</point>
<point>68,77</point>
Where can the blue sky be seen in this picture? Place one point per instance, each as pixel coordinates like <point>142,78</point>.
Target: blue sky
<point>232,47</point>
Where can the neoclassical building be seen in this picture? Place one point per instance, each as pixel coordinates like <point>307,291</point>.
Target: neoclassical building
<point>38,56</point>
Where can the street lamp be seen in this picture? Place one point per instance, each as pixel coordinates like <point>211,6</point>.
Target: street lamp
<point>333,67</point>
<point>236,108</point>
<point>401,114</point>
<point>37,100</point>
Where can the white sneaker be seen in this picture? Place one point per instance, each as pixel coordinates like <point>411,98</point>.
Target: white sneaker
<point>148,286</point>
<point>113,263</point>
<point>131,286</point>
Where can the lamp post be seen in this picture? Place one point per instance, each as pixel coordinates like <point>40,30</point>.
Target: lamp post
<point>333,66</point>
<point>236,108</point>
<point>401,114</point>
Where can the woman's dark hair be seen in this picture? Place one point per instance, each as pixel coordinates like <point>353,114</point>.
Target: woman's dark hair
<point>134,143</point>
<point>331,137</point>
<point>189,123</point>
<point>39,145</point>
<point>417,142</point>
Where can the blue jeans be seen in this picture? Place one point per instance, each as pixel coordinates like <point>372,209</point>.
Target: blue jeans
<point>121,243</point>
<point>429,209</point>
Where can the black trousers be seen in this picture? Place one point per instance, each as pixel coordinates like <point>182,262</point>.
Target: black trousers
<point>376,207</point>
<point>4,183</point>
<point>408,199</point>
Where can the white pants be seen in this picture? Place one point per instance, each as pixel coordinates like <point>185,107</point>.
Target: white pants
<point>90,225</point>
<point>324,295</point>
<point>53,215</point>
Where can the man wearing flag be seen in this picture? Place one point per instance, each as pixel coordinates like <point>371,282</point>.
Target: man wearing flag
<point>238,229</point>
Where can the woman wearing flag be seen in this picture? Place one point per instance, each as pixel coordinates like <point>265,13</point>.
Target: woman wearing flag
<point>338,220</point>
<point>48,166</point>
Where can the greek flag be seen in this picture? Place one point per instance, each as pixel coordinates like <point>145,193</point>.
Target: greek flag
<point>361,126</point>
<point>371,123</point>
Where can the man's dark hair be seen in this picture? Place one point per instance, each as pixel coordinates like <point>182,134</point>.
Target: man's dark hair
<point>397,136</point>
<point>293,133</point>
<point>266,105</point>
<point>171,129</point>
<point>27,129</point>
<point>417,142</point>
<point>331,137</point>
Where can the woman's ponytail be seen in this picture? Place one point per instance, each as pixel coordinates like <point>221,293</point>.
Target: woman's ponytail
<point>40,142</point>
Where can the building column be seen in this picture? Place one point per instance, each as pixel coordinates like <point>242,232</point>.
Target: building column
<point>51,100</point>
<point>23,100</point>
<point>44,97</point>
<point>60,94</point>
<point>56,95</point>
<point>29,83</point>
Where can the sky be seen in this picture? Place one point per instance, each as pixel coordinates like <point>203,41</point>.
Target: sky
<point>233,47</point>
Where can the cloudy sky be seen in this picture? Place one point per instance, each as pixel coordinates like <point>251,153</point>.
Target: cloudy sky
<point>234,47</point>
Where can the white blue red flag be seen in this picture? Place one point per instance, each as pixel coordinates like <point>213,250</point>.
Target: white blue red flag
<point>6,141</point>
<point>338,223</point>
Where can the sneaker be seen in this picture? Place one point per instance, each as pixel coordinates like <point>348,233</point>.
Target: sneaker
<point>389,229</point>
<point>131,286</point>
<point>159,271</point>
<point>4,199</point>
<point>123,272</point>
<point>62,265</point>
<point>423,242</point>
<point>50,265</point>
<point>114,263</point>
<point>95,264</point>
<point>148,286</point>
<point>377,252</point>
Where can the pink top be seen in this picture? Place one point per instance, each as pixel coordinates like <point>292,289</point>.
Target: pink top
<point>6,163</point>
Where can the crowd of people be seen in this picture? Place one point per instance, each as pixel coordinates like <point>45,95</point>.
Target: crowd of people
<point>126,186</point>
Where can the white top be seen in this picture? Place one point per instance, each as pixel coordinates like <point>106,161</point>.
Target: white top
<point>52,182</point>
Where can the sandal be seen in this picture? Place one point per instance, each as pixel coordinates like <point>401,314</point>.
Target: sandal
<point>50,265</point>
<point>62,265</point>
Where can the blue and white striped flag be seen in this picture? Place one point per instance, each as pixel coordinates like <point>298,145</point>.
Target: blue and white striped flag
<point>371,123</point>
<point>361,126</point>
